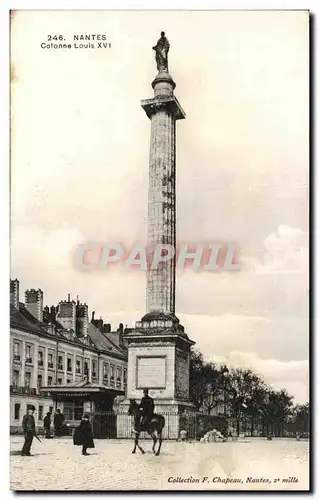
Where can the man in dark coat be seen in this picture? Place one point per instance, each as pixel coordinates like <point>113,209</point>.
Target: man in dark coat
<point>147,410</point>
<point>83,435</point>
<point>28,426</point>
<point>47,424</point>
<point>58,423</point>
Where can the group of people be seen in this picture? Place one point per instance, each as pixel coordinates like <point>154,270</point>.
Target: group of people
<point>83,435</point>
<point>58,424</point>
<point>29,430</point>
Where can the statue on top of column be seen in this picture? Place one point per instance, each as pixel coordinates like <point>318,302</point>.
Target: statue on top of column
<point>161,51</point>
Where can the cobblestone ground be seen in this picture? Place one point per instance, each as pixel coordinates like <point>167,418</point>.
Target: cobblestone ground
<point>58,465</point>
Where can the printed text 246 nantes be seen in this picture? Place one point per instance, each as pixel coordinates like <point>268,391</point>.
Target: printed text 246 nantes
<point>58,41</point>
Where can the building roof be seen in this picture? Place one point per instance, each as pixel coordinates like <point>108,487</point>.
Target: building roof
<point>22,319</point>
<point>102,340</point>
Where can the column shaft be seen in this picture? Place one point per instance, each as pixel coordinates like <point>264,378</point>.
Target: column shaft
<point>161,211</point>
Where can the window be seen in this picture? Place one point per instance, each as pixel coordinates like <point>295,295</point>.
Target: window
<point>16,351</point>
<point>40,416</point>
<point>50,360</point>
<point>68,381</point>
<point>40,358</point>
<point>68,410</point>
<point>28,357</point>
<point>105,373</point>
<point>69,365</point>
<point>125,376</point>
<point>60,362</point>
<point>118,377</point>
<point>72,411</point>
<point>93,368</point>
<point>86,368</point>
<point>59,381</point>
<point>50,380</point>
<point>39,381</point>
<point>17,411</point>
<point>15,378</point>
<point>78,366</point>
<point>78,411</point>
<point>51,409</point>
<point>27,379</point>
<point>112,381</point>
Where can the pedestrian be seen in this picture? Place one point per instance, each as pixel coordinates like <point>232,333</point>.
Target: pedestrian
<point>58,423</point>
<point>83,435</point>
<point>28,426</point>
<point>47,425</point>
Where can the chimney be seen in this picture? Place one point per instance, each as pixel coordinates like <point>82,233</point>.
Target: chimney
<point>68,297</point>
<point>14,293</point>
<point>106,328</point>
<point>51,328</point>
<point>34,303</point>
<point>93,313</point>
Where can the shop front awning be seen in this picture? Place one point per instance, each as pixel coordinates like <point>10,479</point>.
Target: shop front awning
<point>80,389</point>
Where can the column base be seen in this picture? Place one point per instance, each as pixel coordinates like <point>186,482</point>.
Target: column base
<point>172,410</point>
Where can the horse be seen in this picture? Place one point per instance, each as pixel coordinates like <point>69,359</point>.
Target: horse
<point>155,427</point>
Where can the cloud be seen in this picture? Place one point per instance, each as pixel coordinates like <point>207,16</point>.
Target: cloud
<point>286,251</point>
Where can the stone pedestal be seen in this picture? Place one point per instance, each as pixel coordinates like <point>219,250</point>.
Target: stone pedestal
<point>158,359</point>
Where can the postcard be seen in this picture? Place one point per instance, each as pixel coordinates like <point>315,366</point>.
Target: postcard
<point>159,291</point>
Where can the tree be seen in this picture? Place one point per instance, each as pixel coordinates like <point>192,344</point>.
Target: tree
<point>196,379</point>
<point>204,383</point>
<point>278,410</point>
<point>299,421</point>
<point>246,398</point>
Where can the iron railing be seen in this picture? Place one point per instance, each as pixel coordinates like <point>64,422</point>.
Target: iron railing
<point>111,425</point>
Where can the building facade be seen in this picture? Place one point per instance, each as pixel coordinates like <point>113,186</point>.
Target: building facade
<point>51,359</point>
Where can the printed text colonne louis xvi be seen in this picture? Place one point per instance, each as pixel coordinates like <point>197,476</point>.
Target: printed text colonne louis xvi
<point>57,41</point>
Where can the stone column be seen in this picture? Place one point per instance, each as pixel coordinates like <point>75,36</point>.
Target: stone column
<point>163,111</point>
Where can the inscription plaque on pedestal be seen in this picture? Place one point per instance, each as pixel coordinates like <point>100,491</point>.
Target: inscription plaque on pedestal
<point>151,372</point>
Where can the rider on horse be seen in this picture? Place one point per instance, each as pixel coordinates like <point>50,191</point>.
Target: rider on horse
<point>146,408</point>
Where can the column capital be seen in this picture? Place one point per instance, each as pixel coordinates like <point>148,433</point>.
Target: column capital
<point>163,103</point>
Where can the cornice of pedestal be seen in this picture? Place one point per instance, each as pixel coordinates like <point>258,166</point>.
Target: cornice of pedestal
<point>136,337</point>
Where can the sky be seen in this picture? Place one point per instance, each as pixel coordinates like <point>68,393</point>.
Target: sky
<point>79,171</point>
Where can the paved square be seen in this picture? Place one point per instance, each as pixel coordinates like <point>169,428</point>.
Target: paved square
<point>58,465</point>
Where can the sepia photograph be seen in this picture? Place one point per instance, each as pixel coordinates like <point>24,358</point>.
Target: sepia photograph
<point>159,250</point>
